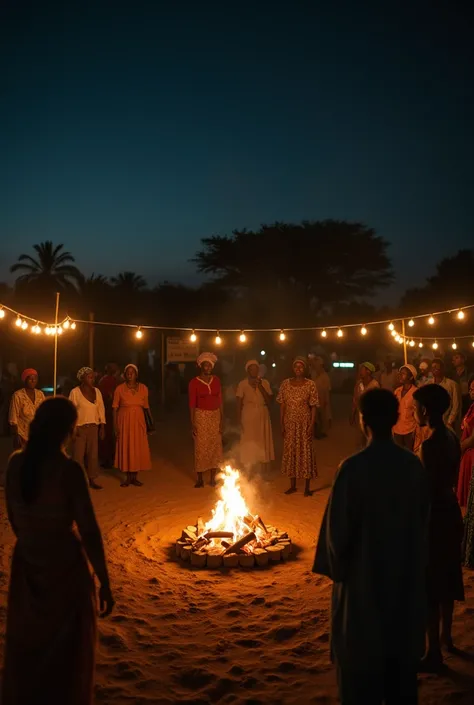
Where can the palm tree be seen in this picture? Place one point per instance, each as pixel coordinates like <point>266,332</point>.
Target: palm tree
<point>129,281</point>
<point>51,270</point>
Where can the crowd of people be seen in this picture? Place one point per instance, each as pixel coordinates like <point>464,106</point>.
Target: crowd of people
<point>393,538</point>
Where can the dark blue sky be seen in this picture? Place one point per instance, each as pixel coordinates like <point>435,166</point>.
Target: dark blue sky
<point>128,131</point>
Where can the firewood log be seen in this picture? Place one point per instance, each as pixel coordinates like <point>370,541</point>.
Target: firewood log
<point>275,553</point>
<point>214,560</point>
<point>261,557</point>
<point>186,552</point>
<point>285,549</point>
<point>246,560</point>
<point>179,544</point>
<point>219,535</point>
<point>235,548</point>
<point>231,560</point>
<point>198,559</point>
<point>192,529</point>
<point>200,526</point>
<point>200,543</point>
<point>188,535</point>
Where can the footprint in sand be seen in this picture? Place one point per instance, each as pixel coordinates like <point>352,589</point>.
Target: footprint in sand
<point>194,678</point>
<point>285,633</point>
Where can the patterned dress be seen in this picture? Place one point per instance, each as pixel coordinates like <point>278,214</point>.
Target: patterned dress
<point>206,400</point>
<point>299,459</point>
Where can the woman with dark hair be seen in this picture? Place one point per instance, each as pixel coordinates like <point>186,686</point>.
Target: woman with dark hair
<point>51,618</point>
<point>404,431</point>
<point>132,423</point>
<point>298,399</point>
<point>440,455</point>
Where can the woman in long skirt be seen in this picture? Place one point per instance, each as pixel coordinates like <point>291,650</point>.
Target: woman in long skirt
<point>467,448</point>
<point>207,419</point>
<point>51,618</point>
<point>131,410</point>
<point>440,455</point>
<point>254,396</point>
<point>298,398</point>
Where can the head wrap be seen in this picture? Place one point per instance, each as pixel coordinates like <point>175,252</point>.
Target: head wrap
<point>301,359</point>
<point>83,372</point>
<point>134,367</point>
<point>369,366</point>
<point>424,365</point>
<point>250,363</point>
<point>28,373</point>
<point>411,369</point>
<point>206,357</point>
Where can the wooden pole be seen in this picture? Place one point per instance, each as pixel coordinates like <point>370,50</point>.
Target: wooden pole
<point>55,373</point>
<point>405,356</point>
<point>163,352</point>
<point>91,340</point>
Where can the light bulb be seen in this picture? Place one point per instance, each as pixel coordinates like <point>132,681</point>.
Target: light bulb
<point>47,330</point>
<point>38,330</point>
<point>454,346</point>
<point>282,336</point>
<point>60,330</point>
<point>391,327</point>
<point>394,333</point>
<point>18,322</point>
<point>274,363</point>
<point>397,338</point>
<point>412,343</point>
<point>218,339</point>
<point>420,344</point>
<point>431,320</point>
<point>2,313</point>
<point>461,315</point>
<point>401,341</point>
<point>340,333</point>
<point>473,343</point>
<point>66,324</point>
<point>193,337</point>
<point>262,353</point>
<point>363,330</point>
<point>435,345</point>
<point>411,322</point>
<point>243,337</point>
<point>24,325</point>
<point>139,334</point>
<point>73,325</point>
<point>324,334</point>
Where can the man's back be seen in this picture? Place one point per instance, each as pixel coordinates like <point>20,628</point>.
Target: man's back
<point>373,545</point>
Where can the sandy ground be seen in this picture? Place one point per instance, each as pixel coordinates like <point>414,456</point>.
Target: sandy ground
<point>180,635</point>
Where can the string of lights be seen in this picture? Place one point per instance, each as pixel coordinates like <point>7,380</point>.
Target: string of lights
<point>35,326</point>
<point>412,339</point>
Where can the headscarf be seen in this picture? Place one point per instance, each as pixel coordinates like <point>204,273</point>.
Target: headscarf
<point>83,372</point>
<point>250,363</point>
<point>368,366</point>
<point>411,369</point>
<point>206,357</point>
<point>29,372</point>
<point>134,367</point>
<point>301,359</point>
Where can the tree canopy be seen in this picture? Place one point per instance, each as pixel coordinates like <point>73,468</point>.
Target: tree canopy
<point>51,270</point>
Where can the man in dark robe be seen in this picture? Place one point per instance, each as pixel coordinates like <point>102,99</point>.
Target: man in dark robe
<point>373,545</point>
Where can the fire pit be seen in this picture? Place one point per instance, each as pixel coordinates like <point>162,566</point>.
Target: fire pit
<point>233,536</point>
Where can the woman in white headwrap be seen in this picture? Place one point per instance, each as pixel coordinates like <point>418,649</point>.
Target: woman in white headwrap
<point>207,418</point>
<point>254,396</point>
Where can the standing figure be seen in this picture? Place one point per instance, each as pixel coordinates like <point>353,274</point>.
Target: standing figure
<point>132,424</point>
<point>107,386</point>
<point>467,462</point>
<point>51,619</point>
<point>365,381</point>
<point>207,418</point>
<point>462,377</point>
<point>389,377</point>
<point>452,417</point>
<point>23,406</point>
<point>404,431</point>
<point>254,396</point>
<point>298,399</point>
<point>90,424</point>
<point>440,455</point>
<point>467,448</point>
<point>373,546</point>
<point>323,384</point>
<point>425,376</point>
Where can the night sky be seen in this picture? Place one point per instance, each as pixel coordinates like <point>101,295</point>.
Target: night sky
<point>129,131</point>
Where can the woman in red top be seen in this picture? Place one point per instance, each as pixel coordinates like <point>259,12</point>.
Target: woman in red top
<point>205,404</point>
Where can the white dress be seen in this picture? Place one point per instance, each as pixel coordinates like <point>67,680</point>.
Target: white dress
<point>256,440</point>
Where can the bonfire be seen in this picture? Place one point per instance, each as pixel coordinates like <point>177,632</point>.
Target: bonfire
<point>233,536</point>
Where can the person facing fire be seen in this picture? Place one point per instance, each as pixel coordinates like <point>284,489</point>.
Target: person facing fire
<point>254,396</point>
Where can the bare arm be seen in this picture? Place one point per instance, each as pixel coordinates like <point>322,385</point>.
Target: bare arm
<point>456,405</point>
<point>468,442</point>
<point>266,396</point>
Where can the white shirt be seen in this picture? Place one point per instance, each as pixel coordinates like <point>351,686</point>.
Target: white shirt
<point>88,412</point>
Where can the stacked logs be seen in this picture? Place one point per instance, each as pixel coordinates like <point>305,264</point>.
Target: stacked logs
<point>261,545</point>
